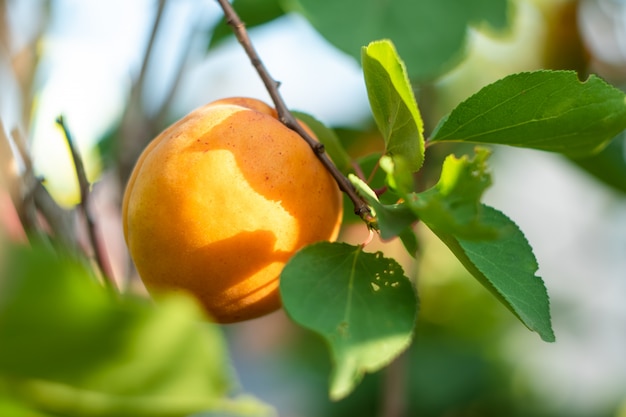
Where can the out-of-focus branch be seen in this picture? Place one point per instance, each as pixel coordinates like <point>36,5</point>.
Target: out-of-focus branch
<point>9,170</point>
<point>25,61</point>
<point>180,70</point>
<point>141,79</point>
<point>38,213</point>
<point>137,129</point>
<point>394,401</point>
<point>4,27</point>
<point>84,186</point>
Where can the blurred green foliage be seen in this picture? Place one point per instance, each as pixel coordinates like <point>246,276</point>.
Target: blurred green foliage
<point>69,347</point>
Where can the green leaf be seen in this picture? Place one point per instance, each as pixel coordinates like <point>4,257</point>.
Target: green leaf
<point>69,348</point>
<point>430,35</point>
<point>392,219</point>
<point>369,168</point>
<point>360,303</point>
<point>399,176</point>
<point>393,103</point>
<point>609,165</point>
<point>331,142</point>
<point>252,12</point>
<point>10,407</point>
<point>453,204</point>
<point>409,240</point>
<point>547,110</point>
<point>507,267</point>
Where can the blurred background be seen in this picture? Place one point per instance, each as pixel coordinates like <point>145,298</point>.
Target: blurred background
<point>122,69</point>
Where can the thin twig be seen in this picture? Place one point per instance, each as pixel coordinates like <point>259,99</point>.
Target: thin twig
<point>136,128</point>
<point>34,205</point>
<point>178,77</point>
<point>140,83</point>
<point>360,206</point>
<point>84,187</point>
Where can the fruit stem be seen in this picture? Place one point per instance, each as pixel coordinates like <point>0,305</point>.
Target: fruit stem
<point>288,119</point>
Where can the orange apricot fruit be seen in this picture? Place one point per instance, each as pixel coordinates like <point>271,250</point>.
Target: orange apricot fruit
<point>220,201</point>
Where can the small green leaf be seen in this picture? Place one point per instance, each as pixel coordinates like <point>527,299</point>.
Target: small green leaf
<point>69,348</point>
<point>399,176</point>
<point>329,139</point>
<point>369,168</point>
<point>409,240</point>
<point>252,13</point>
<point>393,103</point>
<point>453,204</point>
<point>360,303</point>
<point>507,267</point>
<point>547,110</point>
<point>392,219</point>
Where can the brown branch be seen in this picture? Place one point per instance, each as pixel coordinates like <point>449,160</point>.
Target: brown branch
<point>59,221</point>
<point>360,206</point>
<point>84,187</point>
<point>38,213</point>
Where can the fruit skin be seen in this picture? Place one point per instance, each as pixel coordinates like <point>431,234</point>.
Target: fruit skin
<point>219,202</point>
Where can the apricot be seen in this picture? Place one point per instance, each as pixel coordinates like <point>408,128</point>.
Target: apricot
<point>220,201</point>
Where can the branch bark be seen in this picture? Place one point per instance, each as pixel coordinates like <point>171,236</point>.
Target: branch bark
<point>288,119</point>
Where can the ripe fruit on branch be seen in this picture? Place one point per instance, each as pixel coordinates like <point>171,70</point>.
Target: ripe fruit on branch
<point>219,202</point>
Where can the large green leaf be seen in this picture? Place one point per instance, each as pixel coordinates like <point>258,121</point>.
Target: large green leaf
<point>69,348</point>
<point>507,267</point>
<point>609,165</point>
<point>547,110</point>
<point>393,103</point>
<point>429,34</point>
<point>360,303</point>
<point>489,245</point>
